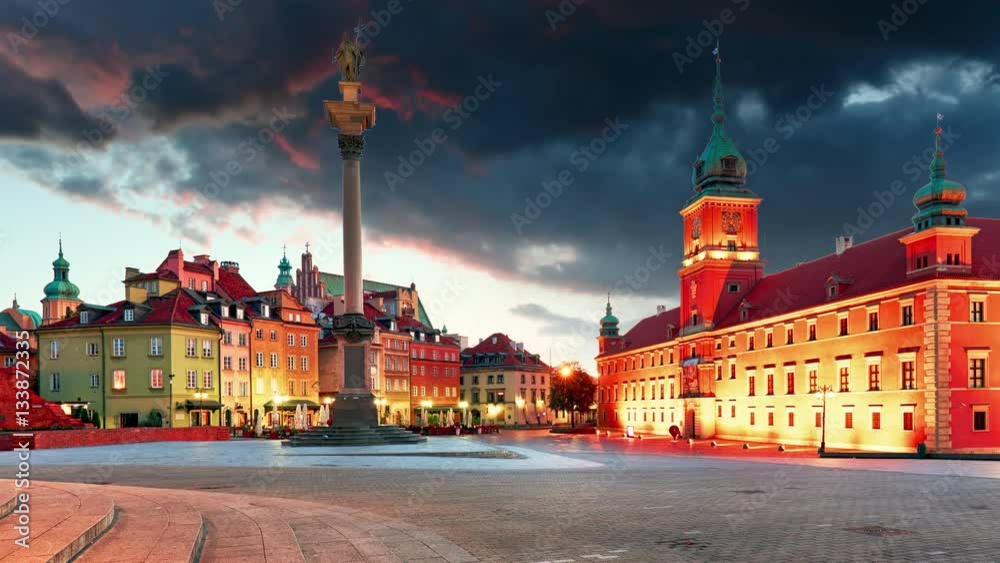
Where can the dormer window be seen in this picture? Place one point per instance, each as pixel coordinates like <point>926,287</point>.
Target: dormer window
<point>729,164</point>
<point>84,317</point>
<point>224,311</point>
<point>699,168</point>
<point>265,311</point>
<point>129,315</point>
<point>204,318</point>
<point>833,291</point>
<point>239,313</point>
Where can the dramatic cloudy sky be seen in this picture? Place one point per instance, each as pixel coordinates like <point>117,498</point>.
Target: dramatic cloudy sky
<point>178,88</point>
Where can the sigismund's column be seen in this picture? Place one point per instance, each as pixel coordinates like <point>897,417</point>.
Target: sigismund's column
<point>351,117</point>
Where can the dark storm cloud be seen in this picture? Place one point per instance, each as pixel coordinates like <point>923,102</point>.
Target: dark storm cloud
<point>557,89</point>
<point>552,323</point>
<point>39,110</point>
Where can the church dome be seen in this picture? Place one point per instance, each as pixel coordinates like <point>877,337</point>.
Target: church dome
<point>609,322</point>
<point>939,203</point>
<point>60,287</point>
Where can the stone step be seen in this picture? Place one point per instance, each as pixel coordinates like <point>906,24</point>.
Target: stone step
<point>8,498</point>
<point>65,519</point>
<point>355,436</point>
<point>150,527</point>
<point>155,525</point>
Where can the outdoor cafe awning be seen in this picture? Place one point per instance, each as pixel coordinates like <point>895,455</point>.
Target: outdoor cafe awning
<point>202,405</point>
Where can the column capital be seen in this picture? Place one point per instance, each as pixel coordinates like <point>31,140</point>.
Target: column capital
<point>351,146</point>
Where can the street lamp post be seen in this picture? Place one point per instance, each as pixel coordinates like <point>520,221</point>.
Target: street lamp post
<point>825,392</point>
<point>276,400</point>
<point>464,405</point>
<point>170,402</point>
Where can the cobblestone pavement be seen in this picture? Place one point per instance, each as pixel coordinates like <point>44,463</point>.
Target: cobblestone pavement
<point>642,507</point>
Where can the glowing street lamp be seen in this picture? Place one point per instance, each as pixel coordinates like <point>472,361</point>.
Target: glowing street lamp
<point>825,392</point>
<point>464,405</point>
<point>519,401</point>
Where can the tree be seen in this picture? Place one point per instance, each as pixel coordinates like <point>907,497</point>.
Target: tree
<point>573,392</point>
<point>84,415</point>
<point>95,419</point>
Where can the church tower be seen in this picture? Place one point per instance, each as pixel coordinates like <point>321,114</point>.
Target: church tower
<point>62,297</point>
<point>721,255</point>
<point>940,241</point>
<point>284,281</point>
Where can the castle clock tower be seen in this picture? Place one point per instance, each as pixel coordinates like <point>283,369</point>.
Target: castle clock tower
<point>721,255</point>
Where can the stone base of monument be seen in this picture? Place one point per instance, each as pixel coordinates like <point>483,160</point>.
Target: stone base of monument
<point>355,423</point>
<point>355,436</point>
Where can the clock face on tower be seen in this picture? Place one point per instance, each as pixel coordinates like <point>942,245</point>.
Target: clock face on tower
<point>696,227</point>
<point>732,222</point>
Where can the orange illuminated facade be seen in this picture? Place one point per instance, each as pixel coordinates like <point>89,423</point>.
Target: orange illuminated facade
<point>897,332</point>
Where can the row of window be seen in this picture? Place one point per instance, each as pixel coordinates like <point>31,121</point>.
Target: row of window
<point>444,356</point>
<point>499,379</point>
<point>421,391</point>
<point>119,381</point>
<point>227,338</point>
<point>227,363</point>
<point>303,361</point>
<point>393,363</point>
<point>155,347</point>
<point>446,372</point>
<point>977,314</point>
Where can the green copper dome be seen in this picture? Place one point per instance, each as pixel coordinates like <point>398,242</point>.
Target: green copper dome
<point>609,322</point>
<point>60,287</point>
<point>720,169</point>
<point>939,203</point>
<point>284,273</point>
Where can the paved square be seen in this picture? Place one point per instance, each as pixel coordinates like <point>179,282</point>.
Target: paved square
<point>609,499</point>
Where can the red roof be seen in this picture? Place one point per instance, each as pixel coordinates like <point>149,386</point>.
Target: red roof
<point>503,345</point>
<point>159,275</point>
<point>169,308</point>
<point>869,267</point>
<point>235,285</point>
<point>647,332</point>
<point>197,268</point>
<point>872,266</point>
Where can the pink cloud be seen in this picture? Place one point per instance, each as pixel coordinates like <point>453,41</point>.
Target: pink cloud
<point>300,157</point>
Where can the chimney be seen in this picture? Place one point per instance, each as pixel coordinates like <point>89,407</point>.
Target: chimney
<point>131,272</point>
<point>661,309</point>
<point>231,266</point>
<point>843,243</point>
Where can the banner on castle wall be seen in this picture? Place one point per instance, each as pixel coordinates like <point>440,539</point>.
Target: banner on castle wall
<point>689,369</point>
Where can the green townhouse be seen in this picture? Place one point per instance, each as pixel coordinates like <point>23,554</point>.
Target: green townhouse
<point>151,363</point>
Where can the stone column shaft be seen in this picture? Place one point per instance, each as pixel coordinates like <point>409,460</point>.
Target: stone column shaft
<point>352,236</point>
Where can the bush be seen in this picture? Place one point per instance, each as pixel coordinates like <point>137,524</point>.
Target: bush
<point>84,415</point>
<point>95,419</point>
<point>153,420</point>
